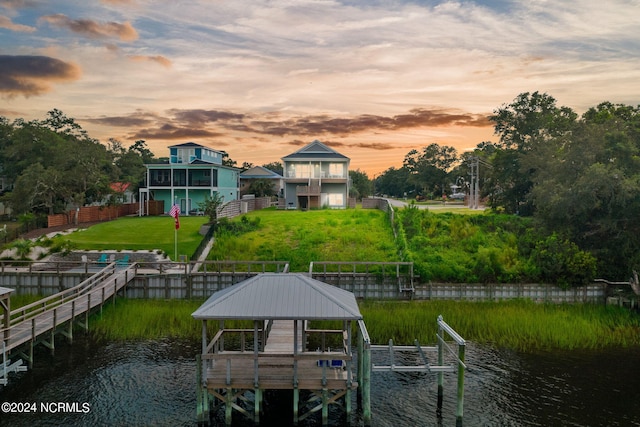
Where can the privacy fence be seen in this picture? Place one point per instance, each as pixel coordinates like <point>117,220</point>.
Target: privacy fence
<point>87,214</point>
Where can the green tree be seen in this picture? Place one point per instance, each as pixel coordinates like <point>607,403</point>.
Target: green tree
<point>140,147</point>
<point>228,161</point>
<point>361,185</point>
<point>52,165</point>
<point>394,182</point>
<point>261,188</point>
<point>589,187</point>
<point>531,121</point>
<point>210,207</point>
<point>275,167</point>
<point>429,169</point>
<point>562,262</point>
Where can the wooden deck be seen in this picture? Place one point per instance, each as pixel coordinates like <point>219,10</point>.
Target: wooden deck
<point>275,372</point>
<point>277,367</point>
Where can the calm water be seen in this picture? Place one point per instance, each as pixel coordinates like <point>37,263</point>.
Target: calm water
<point>152,383</point>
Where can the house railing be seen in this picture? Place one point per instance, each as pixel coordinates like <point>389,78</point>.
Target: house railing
<point>308,190</point>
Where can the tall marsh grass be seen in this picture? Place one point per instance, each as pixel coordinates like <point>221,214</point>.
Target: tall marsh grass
<point>133,319</point>
<point>519,325</point>
<point>18,301</point>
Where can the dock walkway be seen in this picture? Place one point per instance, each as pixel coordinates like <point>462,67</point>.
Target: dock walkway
<point>40,321</point>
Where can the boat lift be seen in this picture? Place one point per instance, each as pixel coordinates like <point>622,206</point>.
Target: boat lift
<point>444,332</point>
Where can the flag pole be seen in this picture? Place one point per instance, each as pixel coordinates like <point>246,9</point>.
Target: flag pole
<point>175,213</point>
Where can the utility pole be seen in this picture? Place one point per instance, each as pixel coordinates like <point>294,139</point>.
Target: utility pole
<point>474,185</point>
<point>476,204</point>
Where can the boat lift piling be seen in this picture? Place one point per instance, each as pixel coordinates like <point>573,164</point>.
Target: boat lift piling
<point>444,332</point>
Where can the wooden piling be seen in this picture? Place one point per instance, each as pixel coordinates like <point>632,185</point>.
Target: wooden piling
<point>460,397</point>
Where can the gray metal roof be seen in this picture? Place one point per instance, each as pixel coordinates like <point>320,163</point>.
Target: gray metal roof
<point>259,172</point>
<point>280,296</point>
<point>315,150</point>
<point>5,291</point>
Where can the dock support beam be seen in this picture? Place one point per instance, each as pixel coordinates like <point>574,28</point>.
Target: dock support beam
<point>325,407</point>
<point>202,395</point>
<point>257,404</point>
<point>296,405</point>
<point>461,367</point>
<point>228,407</point>
<point>347,405</point>
<point>364,372</point>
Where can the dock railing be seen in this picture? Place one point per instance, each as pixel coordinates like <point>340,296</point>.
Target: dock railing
<point>31,310</point>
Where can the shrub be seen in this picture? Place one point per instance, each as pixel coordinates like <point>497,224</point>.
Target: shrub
<point>562,262</point>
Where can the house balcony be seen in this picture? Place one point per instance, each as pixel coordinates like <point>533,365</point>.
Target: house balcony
<point>202,183</point>
<point>308,190</point>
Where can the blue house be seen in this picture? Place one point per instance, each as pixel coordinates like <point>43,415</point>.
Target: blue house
<point>316,176</point>
<point>192,173</point>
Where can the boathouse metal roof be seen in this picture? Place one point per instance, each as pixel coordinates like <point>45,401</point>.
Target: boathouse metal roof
<point>280,296</point>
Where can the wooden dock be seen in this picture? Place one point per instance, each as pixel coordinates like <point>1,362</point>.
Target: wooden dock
<point>39,322</point>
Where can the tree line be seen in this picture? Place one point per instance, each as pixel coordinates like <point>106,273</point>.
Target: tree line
<point>576,175</point>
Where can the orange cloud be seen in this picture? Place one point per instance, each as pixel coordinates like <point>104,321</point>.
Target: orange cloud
<point>33,75</point>
<point>157,58</point>
<point>9,25</point>
<point>208,124</point>
<point>93,29</point>
<point>318,125</point>
<point>171,132</point>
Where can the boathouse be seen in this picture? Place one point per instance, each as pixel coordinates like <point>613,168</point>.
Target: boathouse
<point>283,344</point>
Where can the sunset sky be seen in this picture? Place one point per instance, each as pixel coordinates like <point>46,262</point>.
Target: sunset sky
<point>373,79</point>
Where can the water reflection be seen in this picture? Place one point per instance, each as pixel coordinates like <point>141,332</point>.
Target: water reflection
<point>153,383</point>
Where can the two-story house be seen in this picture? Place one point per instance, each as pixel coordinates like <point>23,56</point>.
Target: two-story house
<point>192,173</point>
<point>316,176</point>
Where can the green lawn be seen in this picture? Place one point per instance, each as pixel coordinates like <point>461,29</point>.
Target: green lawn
<point>140,233</point>
<point>317,235</point>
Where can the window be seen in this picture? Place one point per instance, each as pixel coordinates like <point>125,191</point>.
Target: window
<point>336,170</point>
<point>180,177</point>
<point>186,155</point>
<point>160,177</point>
<point>303,171</point>
<point>336,199</point>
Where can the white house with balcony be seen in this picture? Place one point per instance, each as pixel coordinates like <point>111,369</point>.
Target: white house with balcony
<point>316,176</point>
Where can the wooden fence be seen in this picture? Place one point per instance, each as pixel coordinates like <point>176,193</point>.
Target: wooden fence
<point>234,208</point>
<point>88,214</point>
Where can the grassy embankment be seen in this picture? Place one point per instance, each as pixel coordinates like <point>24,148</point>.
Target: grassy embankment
<point>302,237</point>
<point>363,235</point>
